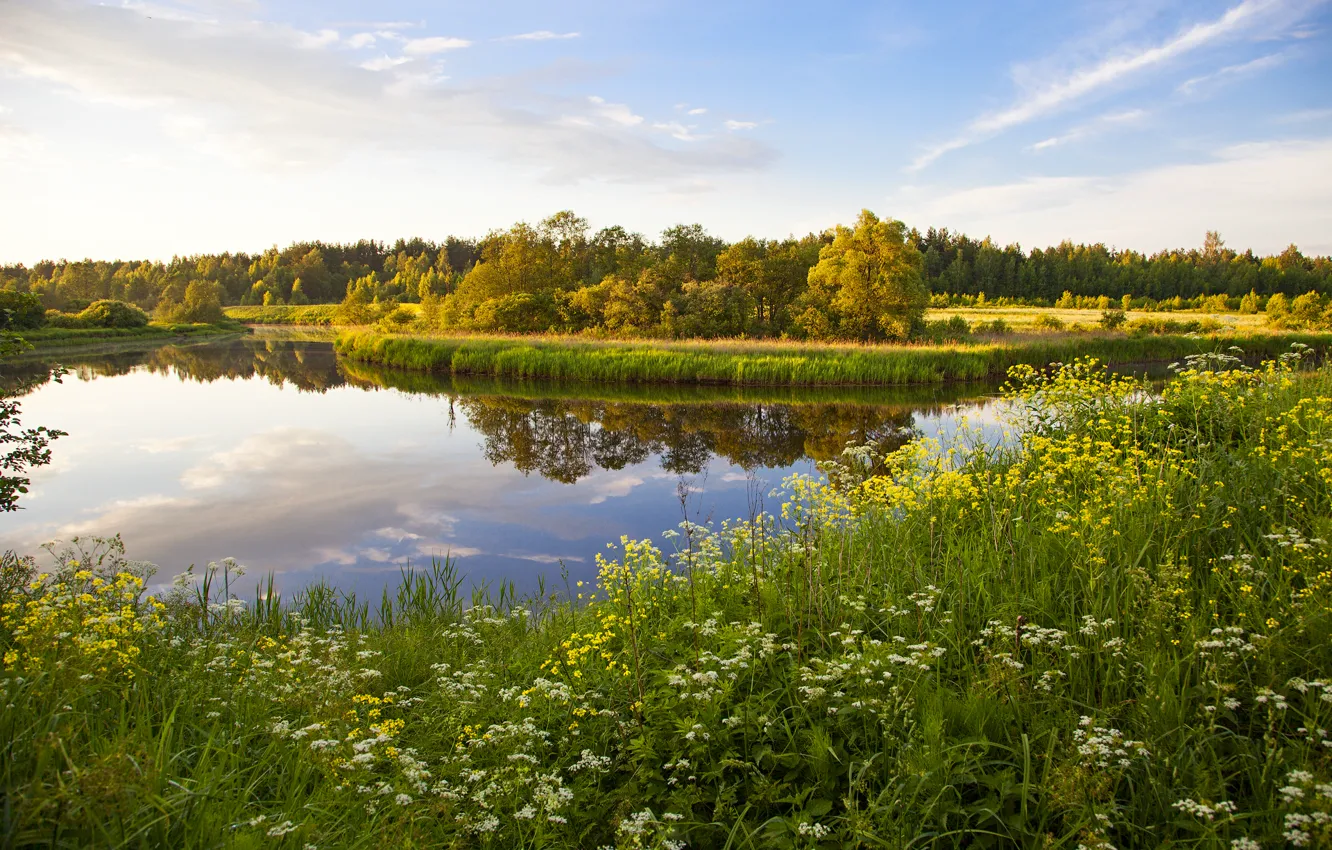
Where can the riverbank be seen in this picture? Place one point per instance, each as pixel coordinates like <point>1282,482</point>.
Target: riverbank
<point>1114,632</point>
<point>318,315</point>
<point>55,340</point>
<point>770,363</point>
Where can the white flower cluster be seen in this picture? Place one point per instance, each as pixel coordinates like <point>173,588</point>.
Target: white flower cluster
<point>1104,747</point>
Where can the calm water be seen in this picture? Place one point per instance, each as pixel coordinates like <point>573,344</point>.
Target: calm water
<point>274,452</point>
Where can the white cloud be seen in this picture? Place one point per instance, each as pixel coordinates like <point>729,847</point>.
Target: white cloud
<point>677,130</point>
<point>613,488</point>
<point>432,45</point>
<point>1254,66</point>
<point>316,40</point>
<point>1092,128</point>
<point>546,559</point>
<point>740,125</point>
<point>541,35</point>
<point>698,110</point>
<point>1108,72</point>
<point>258,95</point>
<point>384,63</point>
<point>1164,207</point>
<point>360,40</point>
<point>615,112</point>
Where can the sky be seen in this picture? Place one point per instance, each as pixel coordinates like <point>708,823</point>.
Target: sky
<point>151,129</point>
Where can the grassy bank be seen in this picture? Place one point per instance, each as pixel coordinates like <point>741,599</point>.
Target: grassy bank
<point>772,363</point>
<point>1114,633</point>
<point>308,314</point>
<point>52,339</point>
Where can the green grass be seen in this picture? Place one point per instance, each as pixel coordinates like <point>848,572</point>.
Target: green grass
<point>743,362</point>
<point>309,314</point>
<point>1114,632</point>
<point>320,315</point>
<point>52,338</point>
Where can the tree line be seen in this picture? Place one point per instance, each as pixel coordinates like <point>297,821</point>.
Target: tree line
<point>871,280</point>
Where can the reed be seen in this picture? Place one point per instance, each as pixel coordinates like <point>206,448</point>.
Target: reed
<point>757,363</point>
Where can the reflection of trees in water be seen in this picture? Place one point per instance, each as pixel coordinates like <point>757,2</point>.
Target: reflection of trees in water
<point>310,367</point>
<point>567,439</point>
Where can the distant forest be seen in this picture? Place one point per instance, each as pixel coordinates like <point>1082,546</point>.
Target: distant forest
<point>558,275</point>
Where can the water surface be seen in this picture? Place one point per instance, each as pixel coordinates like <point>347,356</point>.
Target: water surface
<point>276,453</point>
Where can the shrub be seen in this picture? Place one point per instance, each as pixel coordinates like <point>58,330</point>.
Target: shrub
<point>113,314</point>
<point>57,319</point>
<point>1113,319</point>
<point>397,320</point>
<point>1047,322</point>
<point>996,327</point>
<point>21,311</point>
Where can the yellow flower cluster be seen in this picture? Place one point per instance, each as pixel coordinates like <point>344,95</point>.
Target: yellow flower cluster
<point>78,622</point>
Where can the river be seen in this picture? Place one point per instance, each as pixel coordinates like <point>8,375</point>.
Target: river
<point>272,451</point>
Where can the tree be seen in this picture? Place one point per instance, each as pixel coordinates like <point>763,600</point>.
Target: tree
<point>22,448</point>
<point>867,284</point>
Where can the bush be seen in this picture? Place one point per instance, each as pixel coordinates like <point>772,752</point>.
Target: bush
<point>21,311</point>
<point>113,314</point>
<point>955,329</point>
<point>1113,319</point>
<point>1047,322</point>
<point>397,320</point>
<point>57,319</point>
<point>996,327</point>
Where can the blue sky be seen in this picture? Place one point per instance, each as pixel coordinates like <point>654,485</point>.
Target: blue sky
<point>178,126</point>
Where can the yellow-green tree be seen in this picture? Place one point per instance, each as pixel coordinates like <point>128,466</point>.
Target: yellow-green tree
<point>867,284</point>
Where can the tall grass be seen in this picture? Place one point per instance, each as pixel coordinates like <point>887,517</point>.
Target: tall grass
<point>52,338</point>
<point>769,363</point>
<point>284,314</point>
<point>1114,631</point>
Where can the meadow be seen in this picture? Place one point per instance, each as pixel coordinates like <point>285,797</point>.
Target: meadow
<point>776,363</point>
<point>1111,631</point>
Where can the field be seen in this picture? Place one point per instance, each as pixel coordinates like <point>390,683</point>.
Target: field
<point>773,363</point>
<point>1023,319</point>
<point>1113,632</point>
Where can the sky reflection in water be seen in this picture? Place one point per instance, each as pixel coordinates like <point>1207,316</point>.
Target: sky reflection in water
<point>274,453</point>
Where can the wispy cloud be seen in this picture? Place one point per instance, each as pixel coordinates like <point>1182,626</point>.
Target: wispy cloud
<point>541,35</point>
<point>740,125</point>
<point>432,45</point>
<point>1092,128</point>
<point>1108,72</point>
<point>698,110</point>
<point>616,113</point>
<point>1231,72</point>
<point>1155,208</point>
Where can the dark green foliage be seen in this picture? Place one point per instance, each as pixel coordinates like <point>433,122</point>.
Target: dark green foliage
<point>21,449</point>
<point>558,276</point>
<point>200,304</point>
<point>21,311</point>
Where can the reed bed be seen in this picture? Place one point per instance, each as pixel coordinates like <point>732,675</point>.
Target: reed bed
<point>755,363</point>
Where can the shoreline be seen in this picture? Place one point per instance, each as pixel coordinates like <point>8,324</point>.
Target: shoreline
<point>774,363</point>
